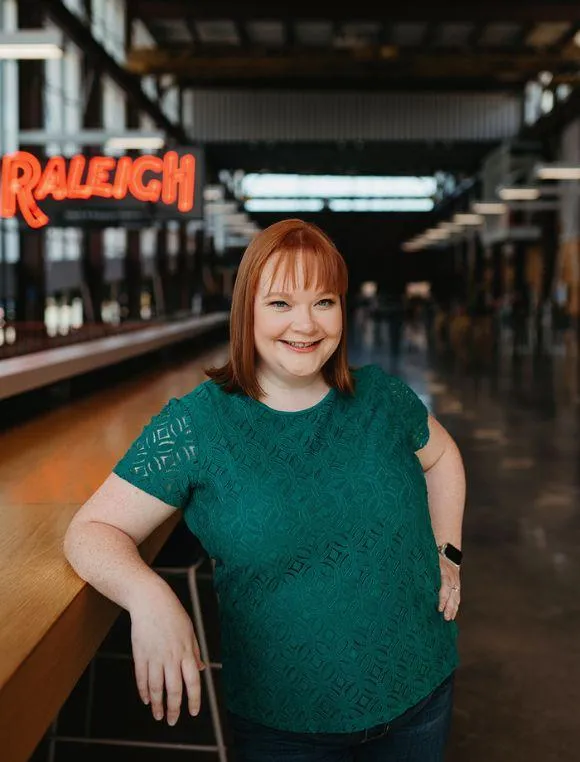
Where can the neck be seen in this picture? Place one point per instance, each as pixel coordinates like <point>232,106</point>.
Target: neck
<point>298,390</point>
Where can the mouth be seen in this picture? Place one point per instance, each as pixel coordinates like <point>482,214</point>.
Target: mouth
<point>301,344</point>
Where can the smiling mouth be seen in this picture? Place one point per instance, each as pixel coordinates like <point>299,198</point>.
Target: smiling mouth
<point>301,344</point>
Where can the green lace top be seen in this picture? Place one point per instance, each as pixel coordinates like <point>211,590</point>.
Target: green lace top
<point>327,572</point>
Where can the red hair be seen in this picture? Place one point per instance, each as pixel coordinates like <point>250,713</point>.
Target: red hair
<point>288,240</point>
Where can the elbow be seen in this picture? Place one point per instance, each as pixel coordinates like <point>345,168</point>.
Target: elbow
<point>69,542</point>
<point>72,542</point>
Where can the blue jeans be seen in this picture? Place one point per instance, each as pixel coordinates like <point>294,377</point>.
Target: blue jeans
<point>417,735</point>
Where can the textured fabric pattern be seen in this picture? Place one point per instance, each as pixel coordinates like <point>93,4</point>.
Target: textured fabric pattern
<point>163,459</point>
<point>327,571</point>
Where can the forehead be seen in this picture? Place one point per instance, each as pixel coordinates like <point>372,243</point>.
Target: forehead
<point>284,272</point>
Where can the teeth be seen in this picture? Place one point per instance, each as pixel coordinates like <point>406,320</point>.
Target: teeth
<point>301,345</point>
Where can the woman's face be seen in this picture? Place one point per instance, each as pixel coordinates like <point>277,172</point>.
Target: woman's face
<point>295,330</point>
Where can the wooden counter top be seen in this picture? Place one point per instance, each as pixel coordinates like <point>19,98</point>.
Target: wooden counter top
<point>51,622</point>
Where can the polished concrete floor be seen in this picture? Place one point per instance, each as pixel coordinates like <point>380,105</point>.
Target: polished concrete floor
<point>517,424</point>
<point>518,687</point>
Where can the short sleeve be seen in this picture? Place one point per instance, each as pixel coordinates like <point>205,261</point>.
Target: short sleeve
<point>413,413</point>
<point>163,460</point>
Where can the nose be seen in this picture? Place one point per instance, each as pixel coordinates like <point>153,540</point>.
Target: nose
<point>304,320</point>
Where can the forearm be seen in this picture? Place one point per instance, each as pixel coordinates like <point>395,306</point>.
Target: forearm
<point>446,488</point>
<point>109,560</point>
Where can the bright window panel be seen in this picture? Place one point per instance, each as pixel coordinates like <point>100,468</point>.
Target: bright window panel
<point>335,186</point>
<point>284,205</point>
<point>381,205</point>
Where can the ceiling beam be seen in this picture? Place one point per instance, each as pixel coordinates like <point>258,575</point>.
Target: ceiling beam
<point>358,62</point>
<point>81,36</point>
<point>365,10</point>
<point>375,83</point>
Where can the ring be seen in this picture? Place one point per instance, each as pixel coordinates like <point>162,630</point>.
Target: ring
<point>455,587</point>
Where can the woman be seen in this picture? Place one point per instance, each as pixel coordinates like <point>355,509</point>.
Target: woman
<point>323,493</point>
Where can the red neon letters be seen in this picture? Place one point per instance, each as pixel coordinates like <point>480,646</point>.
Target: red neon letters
<point>24,182</point>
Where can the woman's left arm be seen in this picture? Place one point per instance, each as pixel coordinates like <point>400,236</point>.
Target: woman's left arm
<point>445,476</point>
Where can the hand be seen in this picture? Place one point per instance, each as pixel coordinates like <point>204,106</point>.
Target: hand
<point>166,653</point>
<point>450,592</point>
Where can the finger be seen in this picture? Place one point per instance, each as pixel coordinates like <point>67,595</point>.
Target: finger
<point>452,605</point>
<point>444,594</point>
<point>141,677</point>
<point>192,684</point>
<point>197,655</point>
<point>174,690</point>
<point>156,690</point>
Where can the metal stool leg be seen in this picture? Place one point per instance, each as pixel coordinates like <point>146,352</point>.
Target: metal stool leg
<point>207,672</point>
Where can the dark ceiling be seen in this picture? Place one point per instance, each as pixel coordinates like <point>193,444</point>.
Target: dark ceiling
<point>420,46</point>
<point>416,46</point>
<point>352,157</point>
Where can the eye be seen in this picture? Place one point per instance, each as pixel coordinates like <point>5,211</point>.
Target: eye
<point>277,303</point>
<point>329,302</point>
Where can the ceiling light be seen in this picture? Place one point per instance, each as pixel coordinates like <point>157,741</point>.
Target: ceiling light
<point>467,219</point>
<point>31,44</point>
<point>284,205</point>
<point>214,193</point>
<point>489,207</point>
<point>521,193</point>
<point>412,246</point>
<point>215,208</point>
<point>135,142</point>
<point>558,172</point>
<point>381,204</point>
<point>270,185</point>
<point>452,227</point>
<point>436,234</point>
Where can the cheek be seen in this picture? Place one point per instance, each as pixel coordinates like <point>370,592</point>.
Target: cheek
<point>334,325</point>
<point>269,326</point>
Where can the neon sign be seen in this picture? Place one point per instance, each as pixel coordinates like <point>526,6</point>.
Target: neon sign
<point>24,182</point>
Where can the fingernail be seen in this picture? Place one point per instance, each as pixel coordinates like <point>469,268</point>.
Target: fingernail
<point>171,722</point>
<point>158,716</point>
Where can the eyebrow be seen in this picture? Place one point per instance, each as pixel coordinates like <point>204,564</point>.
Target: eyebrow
<point>283,293</point>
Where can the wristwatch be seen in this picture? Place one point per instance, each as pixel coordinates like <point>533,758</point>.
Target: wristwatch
<point>451,553</point>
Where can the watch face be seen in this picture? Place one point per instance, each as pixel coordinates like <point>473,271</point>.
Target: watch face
<point>453,554</point>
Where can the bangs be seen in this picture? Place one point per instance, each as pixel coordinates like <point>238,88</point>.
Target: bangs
<point>323,267</point>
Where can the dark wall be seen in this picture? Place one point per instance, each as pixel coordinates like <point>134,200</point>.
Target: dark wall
<point>371,245</point>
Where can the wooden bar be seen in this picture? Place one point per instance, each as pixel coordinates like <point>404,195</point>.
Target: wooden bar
<point>20,374</point>
<point>51,622</point>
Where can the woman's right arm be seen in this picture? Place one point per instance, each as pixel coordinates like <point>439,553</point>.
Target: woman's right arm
<point>101,544</point>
